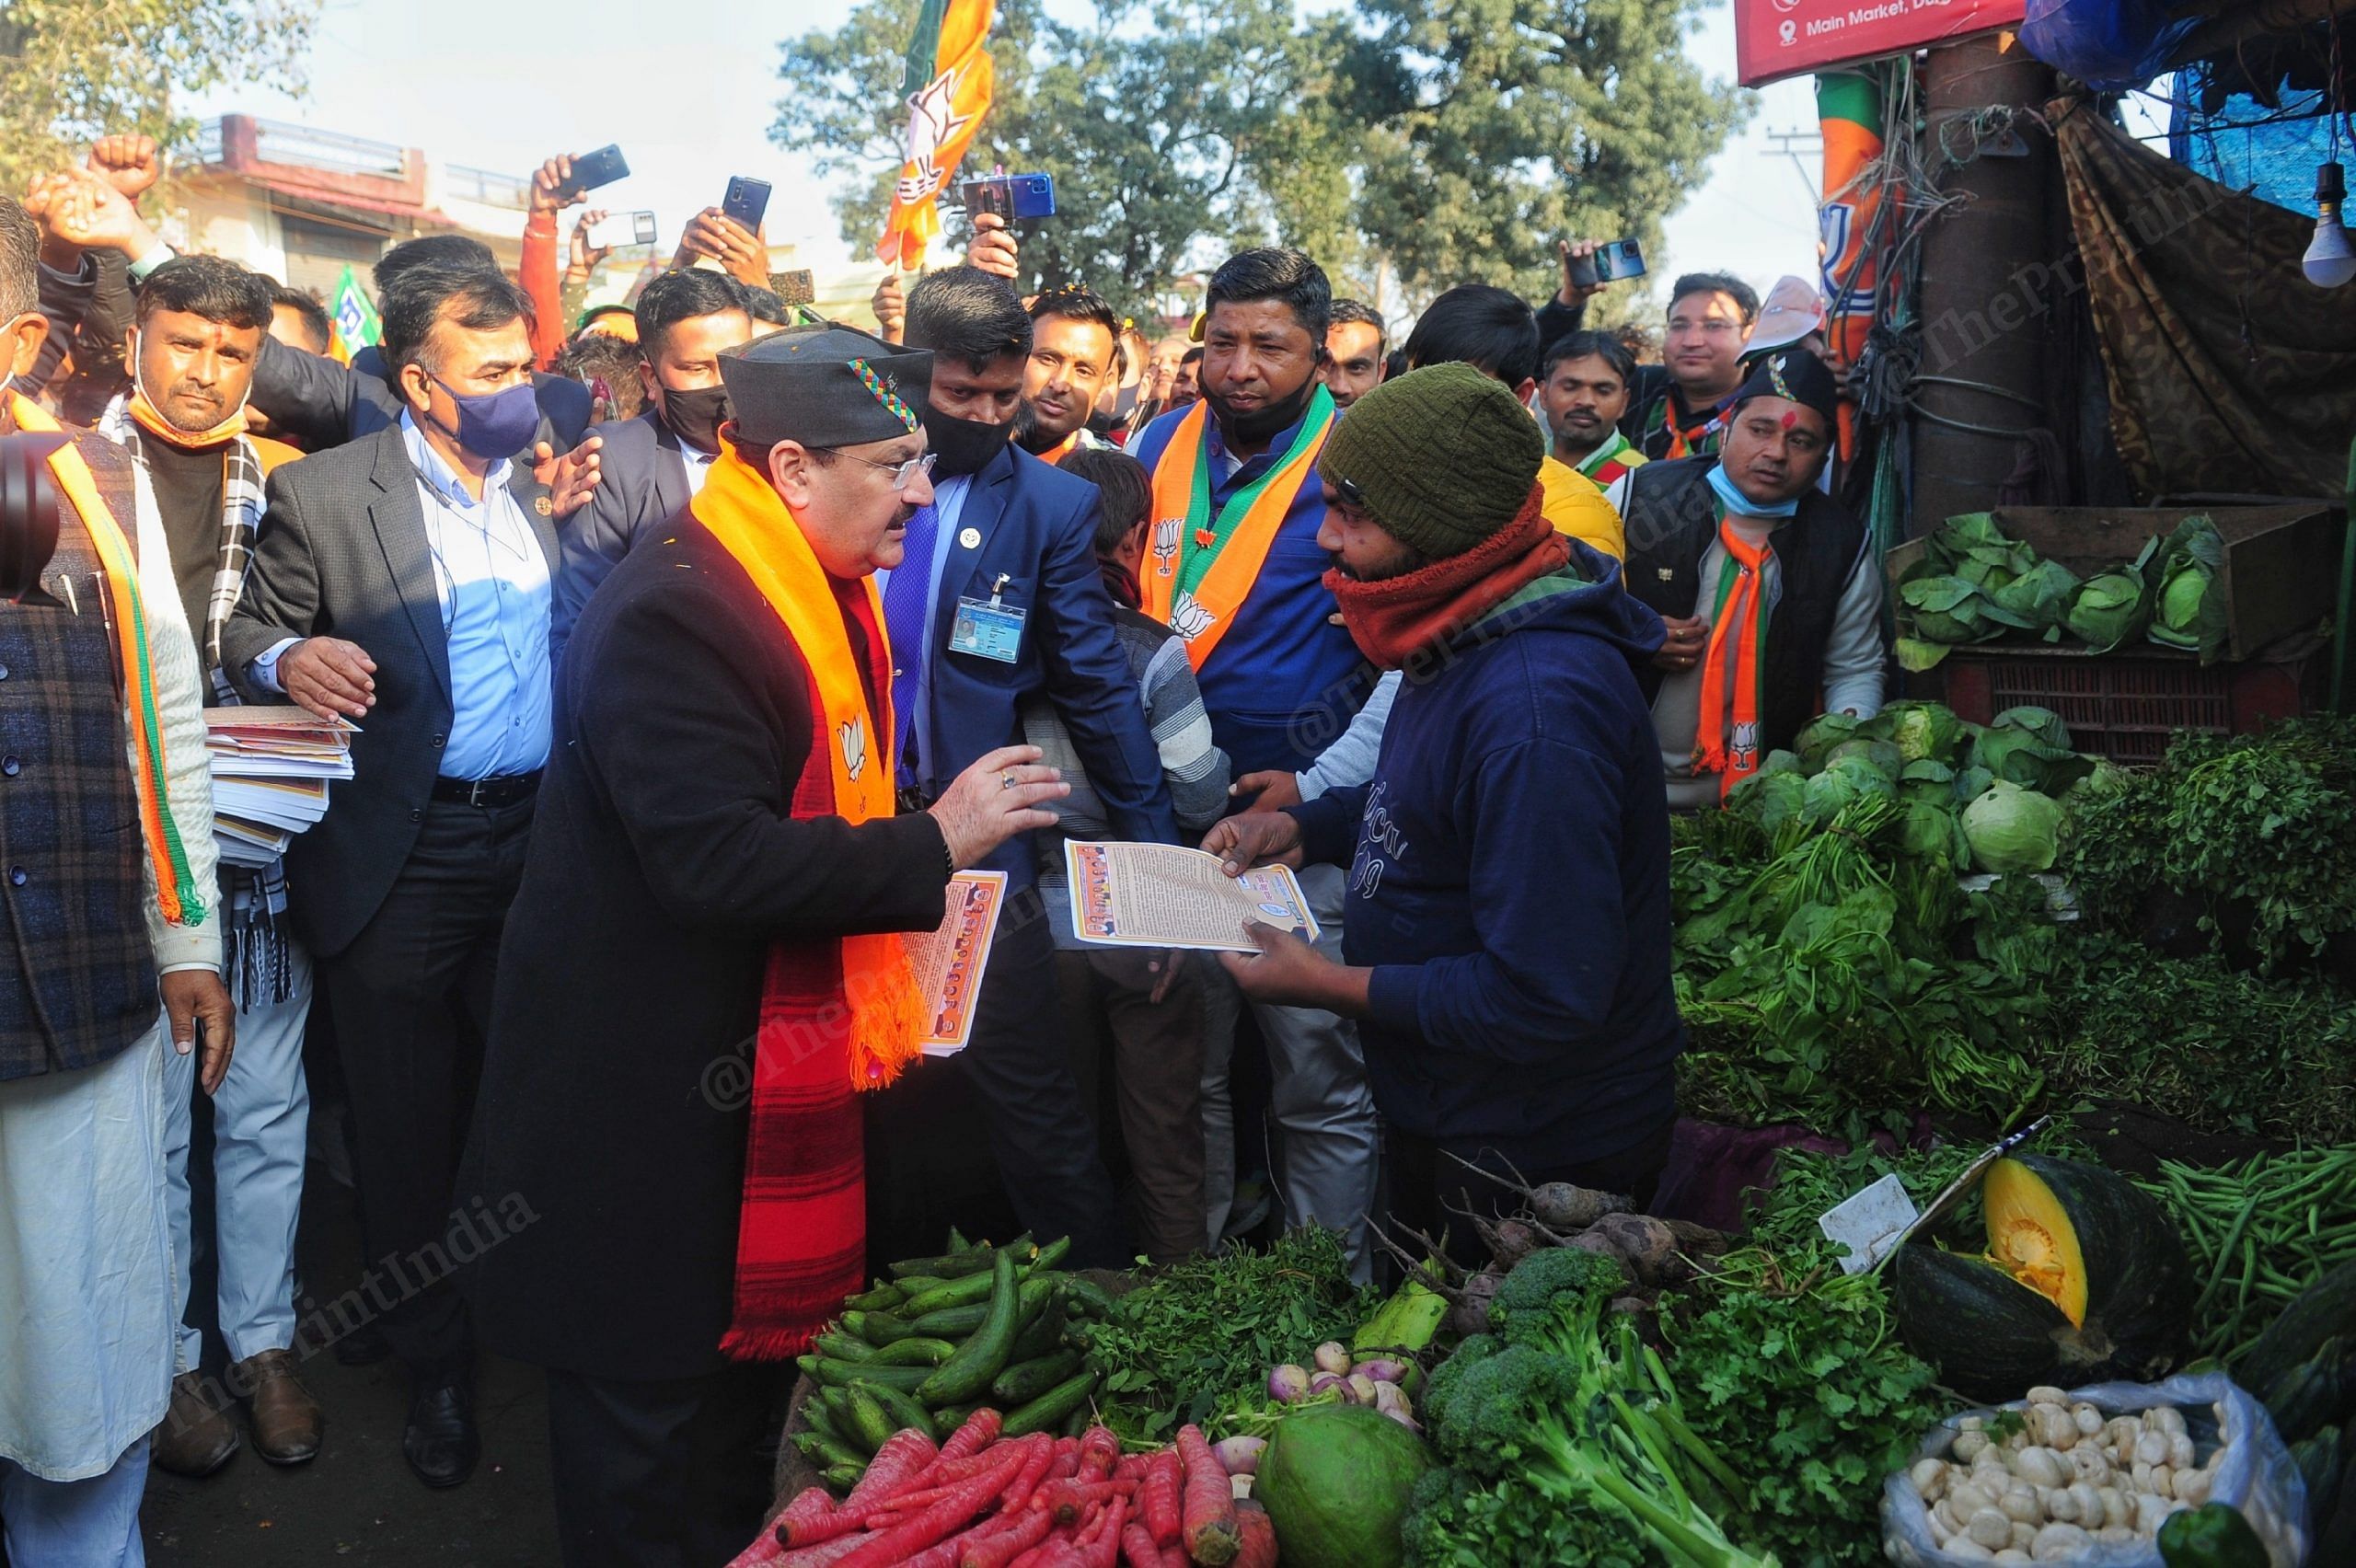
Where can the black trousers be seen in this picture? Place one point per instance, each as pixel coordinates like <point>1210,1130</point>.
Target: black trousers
<point>661,1474</point>
<point>411,999</point>
<point>1013,1085</point>
<point>1432,1192</point>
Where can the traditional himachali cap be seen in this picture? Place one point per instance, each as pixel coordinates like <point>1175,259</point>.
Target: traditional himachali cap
<point>1794,309</point>
<point>1443,456</point>
<point>1796,377</point>
<point>823,385</point>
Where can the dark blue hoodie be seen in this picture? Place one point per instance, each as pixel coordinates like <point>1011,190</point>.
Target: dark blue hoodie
<point>1511,883</point>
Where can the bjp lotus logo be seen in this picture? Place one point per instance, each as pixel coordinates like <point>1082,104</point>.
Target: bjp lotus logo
<point>1165,543</point>
<point>854,741</point>
<point>1188,618</point>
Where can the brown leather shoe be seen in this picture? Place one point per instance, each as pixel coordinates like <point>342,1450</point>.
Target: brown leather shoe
<point>197,1436</point>
<point>287,1421</point>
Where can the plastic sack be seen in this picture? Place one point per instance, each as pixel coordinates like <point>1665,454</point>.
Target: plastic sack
<point>2257,1475</point>
<point>2111,45</point>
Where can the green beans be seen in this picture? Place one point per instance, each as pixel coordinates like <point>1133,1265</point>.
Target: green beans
<point>2260,1231</point>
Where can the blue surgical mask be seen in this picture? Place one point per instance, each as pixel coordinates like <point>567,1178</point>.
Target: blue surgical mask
<point>496,425</point>
<point>1737,502</point>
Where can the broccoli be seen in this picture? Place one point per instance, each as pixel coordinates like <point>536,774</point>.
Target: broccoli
<point>1475,1349</point>
<point>1579,1432</point>
<point>1554,1298</point>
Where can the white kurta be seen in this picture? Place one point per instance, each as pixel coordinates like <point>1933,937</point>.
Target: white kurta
<point>87,1291</point>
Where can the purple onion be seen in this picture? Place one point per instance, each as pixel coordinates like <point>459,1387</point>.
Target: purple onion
<point>1239,1456</point>
<point>1288,1384</point>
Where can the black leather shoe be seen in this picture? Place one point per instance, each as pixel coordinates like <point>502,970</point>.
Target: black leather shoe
<point>363,1346</point>
<point>440,1442</point>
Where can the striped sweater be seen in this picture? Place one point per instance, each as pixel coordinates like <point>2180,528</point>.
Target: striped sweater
<point>1195,767</point>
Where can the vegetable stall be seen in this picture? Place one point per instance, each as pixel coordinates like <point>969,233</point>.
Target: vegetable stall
<point>2055,1263</point>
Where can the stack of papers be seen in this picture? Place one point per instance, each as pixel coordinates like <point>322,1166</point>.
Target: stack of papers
<point>272,768</point>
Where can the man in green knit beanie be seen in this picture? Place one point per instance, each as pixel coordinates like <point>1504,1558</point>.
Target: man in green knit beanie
<point>1510,964</point>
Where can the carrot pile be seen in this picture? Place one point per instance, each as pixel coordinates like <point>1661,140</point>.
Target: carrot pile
<point>983,1500</point>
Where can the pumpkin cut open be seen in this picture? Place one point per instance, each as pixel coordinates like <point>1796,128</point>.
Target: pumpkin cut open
<point>2085,1278</point>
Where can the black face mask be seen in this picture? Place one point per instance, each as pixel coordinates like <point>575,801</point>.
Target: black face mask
<point>1262,423</point>
<point>696,416</point>
<point>962,446</point>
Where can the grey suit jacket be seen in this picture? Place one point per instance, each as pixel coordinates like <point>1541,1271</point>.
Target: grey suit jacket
<point>341,552</point>
<point>641,485</point>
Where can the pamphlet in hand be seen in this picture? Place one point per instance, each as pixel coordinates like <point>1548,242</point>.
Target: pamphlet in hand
<point>1162,896</point>
<point>949,962</point>
<point>272,768</point>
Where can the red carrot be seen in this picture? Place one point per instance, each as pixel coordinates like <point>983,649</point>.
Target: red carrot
<point>1132,1467</point>
<point>1103,1548</point>
<point>763,1553</point>
<point>938,1522</point>
<point>950,1552</point>
<point>1040,1455</point>
<point>980,1430</point>
<point>1099,1451</point>
<point>823,1555</point>
<point>905,1456</point>
<point>1258,1534</point>
<point>1138,1546</point>
<point>939,1481</point>
<point>1160,1496</point>
<point>1029,1527</point>
<point>812,1517</point>
<point>1067,1500</point>
<point>1207,1525</point>
<point>1055,1554</point>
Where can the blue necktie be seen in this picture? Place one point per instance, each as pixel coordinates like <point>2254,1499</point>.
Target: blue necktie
<point>907,595</point>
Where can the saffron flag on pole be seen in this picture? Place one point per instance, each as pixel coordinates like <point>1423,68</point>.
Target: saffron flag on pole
<point>947,87</point>
<point>352,319</point>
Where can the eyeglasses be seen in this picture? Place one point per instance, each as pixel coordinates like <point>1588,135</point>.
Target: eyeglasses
<point>903,473</point>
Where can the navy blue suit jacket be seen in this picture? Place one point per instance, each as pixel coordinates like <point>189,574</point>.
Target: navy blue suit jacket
<point>1037,528</point>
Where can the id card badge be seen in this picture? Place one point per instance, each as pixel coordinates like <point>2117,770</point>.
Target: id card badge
<point>989,629</point>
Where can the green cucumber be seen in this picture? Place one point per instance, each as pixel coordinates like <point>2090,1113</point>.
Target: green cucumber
<point>818,1418</point>
<point>904,1410</point>
<point>1043,1336</point>
<point>870,1419</point>
<point>981,1358</point>
<point>877,1328</point>
<point>959,1263</point>
<point>949,1322</point>
<point>1049,1256</point>
<point>886,1294</point>
<point>1087,1297</point>
<point>842,1347</point>
<point>821,1449</point>
<point>911,1352</point>
<point>1052,1409</point>
<point>1027,1380</point>
<point>842,1478</point>
<point>844,1374</point>
<point>963,1292</point>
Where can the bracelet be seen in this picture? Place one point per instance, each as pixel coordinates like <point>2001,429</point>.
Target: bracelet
<point>948,859</point>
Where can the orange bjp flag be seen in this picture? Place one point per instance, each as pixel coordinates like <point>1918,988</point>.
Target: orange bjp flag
<point>947,86</point>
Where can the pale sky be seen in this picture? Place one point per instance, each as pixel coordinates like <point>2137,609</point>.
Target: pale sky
<point>691,96</point>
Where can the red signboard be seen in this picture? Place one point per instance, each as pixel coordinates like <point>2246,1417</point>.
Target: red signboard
<point>1774,39</point>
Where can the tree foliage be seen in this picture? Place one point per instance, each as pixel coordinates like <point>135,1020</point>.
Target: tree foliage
<point>74,70</point>
<point>1420,142</point>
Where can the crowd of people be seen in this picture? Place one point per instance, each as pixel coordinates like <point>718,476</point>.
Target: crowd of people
<point>690,653</point>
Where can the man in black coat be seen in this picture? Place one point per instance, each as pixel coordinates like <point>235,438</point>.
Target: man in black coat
<point>673,852</point>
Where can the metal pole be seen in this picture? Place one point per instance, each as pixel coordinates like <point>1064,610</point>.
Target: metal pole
<point>1989,287</point>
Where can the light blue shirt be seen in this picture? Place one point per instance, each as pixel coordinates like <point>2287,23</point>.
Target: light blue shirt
<point>493,585</point>
<point>948,505</point>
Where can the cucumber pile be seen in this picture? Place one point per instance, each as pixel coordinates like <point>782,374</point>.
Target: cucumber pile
<point>979,1325</point>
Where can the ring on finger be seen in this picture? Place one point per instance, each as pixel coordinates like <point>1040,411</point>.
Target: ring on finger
<point>1006,781</point>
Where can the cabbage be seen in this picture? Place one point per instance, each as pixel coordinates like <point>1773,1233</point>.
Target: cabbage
<point>1922,729</point>
<point>1771,799</point>
<point>1850,778</point>
<point>1823,732</point>
<point>1882,756</point>
<point>1780,762</point>
<point>2114,605</point>
<point>1971,783</point>
<point>1930,833</point>
<point>2013,829</point>
<point>2040,597</point>
<point>2030,747</point>
<point>2189,611</point>
<point>1949,609</point>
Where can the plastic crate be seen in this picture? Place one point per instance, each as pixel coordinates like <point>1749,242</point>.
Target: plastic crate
<point>2124,707</point>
